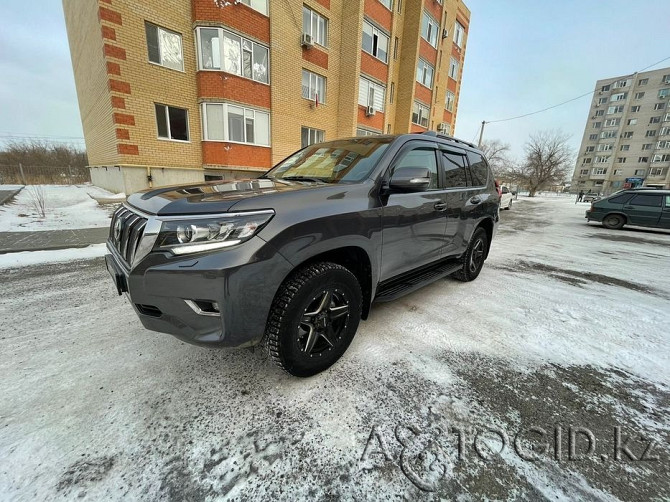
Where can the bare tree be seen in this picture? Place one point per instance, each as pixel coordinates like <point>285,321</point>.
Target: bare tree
<point>548,161</point>
<point>498,155</point>
<point>38,199</point>
<point>42,153</point>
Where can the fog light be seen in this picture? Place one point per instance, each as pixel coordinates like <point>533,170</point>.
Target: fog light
<point>204,307</point>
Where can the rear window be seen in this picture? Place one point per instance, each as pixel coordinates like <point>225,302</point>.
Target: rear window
<point>647,200</point>
<point>620,199</point>
<point>478,169</point>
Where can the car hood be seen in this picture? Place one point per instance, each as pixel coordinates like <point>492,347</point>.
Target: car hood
<point>215,197</point>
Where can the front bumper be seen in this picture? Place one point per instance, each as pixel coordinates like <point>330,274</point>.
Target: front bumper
<point>241,280</point>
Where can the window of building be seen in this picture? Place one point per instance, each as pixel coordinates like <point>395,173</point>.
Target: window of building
<point>661,158</point>
<point>233,123</point>
<point>621,83</point>
<point>454,170</point>
<point>655,120</point>
<point>596,125</point>
<point>665,131</point>
<point>621,160</point>
<point>365,132</point>
<point>584,172</point>
<point>316,25</point>
<point>642,160</point>
<point>313,86</point>
<point>650,134</point>
<point>600,170</point>
<point>640,172</point>
<point>375,42</point>
<point>392,92</point>
<point>662,145</point>
<point>478,169</point>
<point>396,43</point>
<point>590,149</point>
<point>639,95</point>
<point>586,160</point>
<point>602,160</point>
<point>635,109</point>
<point>605,147</point>
<point>449,102</point>
<point>647,146</point>
<point>624,148</point>
<point>453,68</point>
<point>593,137</point>
<point>420,114</point>
<point>220,49</point>
<point>627,134</point>
<point>164,47</point>
<point>608,134</point>
<point>605,88</point>
<point>171,122</point>
<point>657,171</point>
<point>643,81</point>
<point>619,97</point>
<point>387,3</point>
<point>459,33</point>
<point>600,113</point>
<point>631,121</point>
<point>666,79</point>
<point>614,109</point>
<point>659,106</point>
<point>663,93</point>
<point>309,136</point>
<point>618,172</point>
<point>612,122</point>
<point>429,29</point>
<point>424,73</point>
<point>259,5</point>
<point>371,94</point>
<point>602,101</point>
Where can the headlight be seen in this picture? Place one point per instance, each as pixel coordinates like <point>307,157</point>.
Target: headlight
<point>194,235</point>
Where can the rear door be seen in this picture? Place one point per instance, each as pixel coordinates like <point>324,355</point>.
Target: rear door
<point>413,224</point>
<point>664,222</point>
<point>644,209</point>
<point>453,164</point>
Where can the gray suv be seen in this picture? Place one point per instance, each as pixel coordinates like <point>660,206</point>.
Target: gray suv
<point>296,258</point>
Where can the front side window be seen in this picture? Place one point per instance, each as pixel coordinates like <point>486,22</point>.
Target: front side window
<point>420,114</point>
<point>429,29</point>
<point>459,33</point>
<point>171,122</point>
<point>424,73</point>
<point>375,42</point>
<point>164,47</point>
<point>454,170</point>
<point>453,68</point>
<point>310,136</point>
<point>232,123</point>
<point>479,170</point>
<point>220,49</point>
<point>343,161</point>
<point>420,157</point>
<point>313,86</point>
<point>371,94</point>
<point>316,25</point>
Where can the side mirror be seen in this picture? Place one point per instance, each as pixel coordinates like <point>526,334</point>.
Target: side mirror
<point>410,179</point>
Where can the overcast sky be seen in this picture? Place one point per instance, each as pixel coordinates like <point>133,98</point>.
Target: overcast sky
<point>522,55</point>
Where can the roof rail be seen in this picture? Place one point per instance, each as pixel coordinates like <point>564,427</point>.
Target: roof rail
<point>450,138</point>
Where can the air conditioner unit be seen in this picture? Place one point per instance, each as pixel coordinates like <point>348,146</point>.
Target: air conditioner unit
<point>445,33</point>
<point>306,40</point>
<point>370,111</point>
<point>443,127</point>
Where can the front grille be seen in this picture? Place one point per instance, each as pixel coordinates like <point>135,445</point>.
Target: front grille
<point>125,232</point>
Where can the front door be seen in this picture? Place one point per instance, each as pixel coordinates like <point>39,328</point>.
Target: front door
<point>644,209</point>
<point>413,223</point>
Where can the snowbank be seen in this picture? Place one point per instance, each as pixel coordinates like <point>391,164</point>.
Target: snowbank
<point>27,258</point>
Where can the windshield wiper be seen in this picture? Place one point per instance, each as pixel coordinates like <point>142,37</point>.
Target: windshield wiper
<point>303,178</point>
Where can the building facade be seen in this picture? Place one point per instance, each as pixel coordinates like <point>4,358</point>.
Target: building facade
<point>626,141</point>
<point>173,91</point>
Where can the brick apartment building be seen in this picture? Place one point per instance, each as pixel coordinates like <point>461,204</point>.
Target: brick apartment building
<point>174,91</point>
<point>626,140</point>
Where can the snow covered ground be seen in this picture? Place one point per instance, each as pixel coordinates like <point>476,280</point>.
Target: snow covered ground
<point>564,335</point>
<point>67,207</point>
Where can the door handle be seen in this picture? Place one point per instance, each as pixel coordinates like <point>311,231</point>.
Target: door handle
<point>475,200</point>
<point>440,206</point>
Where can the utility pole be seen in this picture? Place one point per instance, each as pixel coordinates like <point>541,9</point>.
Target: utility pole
<point>481,133</point>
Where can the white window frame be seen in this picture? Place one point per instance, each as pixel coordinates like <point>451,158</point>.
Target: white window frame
<point>360,132</point>
<point>312,136</point>
<point>459,34</point>
<point>605,147</point>
<point>449,101</point>
<point>379,33</point>
<point>421,107</point>
<point>250,4</point>
<point>160,48</point>
<point>226,133</point>
<point>663,93</point>
<point>621,96</point>
<point>422,68</point>
<point>387,3</point>
<point>656,171</point>
<point>454,67</point>
<point>433,29</point>
<point>612,122</point>
<point>599,170</point>
<point>316,37</point>
<point>372,89</point>
<point>313,87</point>
<point>242,39</point>
<point>167,120</point>
<point>618,172</point>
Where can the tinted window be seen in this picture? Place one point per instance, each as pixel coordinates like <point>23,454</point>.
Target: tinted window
<point>667,201</point>
<point>647,200</point>
<point>620,199</point>
<point>454,170</point>
<point>505,190</point>
<point>478,169</point>
<point>421,157</point>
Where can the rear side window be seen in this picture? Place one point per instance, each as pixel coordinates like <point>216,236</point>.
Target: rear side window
<point>454,170</point>
<point>620,199</point>
<point>421,157</point>
<point>478,169</point>
<point>647,200</point>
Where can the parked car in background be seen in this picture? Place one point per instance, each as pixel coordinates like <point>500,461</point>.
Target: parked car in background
<point>639,207</point>
<point>590,197</point>
<point>506,198</point>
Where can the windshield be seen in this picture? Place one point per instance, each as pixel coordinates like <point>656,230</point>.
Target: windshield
<point>345,161</point>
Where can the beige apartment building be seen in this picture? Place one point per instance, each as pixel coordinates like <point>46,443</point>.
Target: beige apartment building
<point>626,141</point>
<point>190,90</point>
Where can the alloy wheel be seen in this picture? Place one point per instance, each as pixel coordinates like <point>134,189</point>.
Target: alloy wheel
<point>323,322</point>
<point>477,256</point>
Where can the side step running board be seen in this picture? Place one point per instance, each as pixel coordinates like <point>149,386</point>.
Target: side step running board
<point>401,287</point>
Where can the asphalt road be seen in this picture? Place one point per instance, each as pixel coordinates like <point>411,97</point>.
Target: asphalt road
<point>490,389</point>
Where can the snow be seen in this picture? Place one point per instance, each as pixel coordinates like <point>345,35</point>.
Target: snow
<point>67,207</point>
<point>30,258</point>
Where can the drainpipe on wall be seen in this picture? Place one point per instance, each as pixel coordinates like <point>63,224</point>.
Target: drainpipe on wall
<point>149,179</point>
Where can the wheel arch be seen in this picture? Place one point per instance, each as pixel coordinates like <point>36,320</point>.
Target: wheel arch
<point>488,225</point>
<point>618,213</point>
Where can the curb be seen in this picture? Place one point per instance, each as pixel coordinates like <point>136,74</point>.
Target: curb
<point>12,194</point>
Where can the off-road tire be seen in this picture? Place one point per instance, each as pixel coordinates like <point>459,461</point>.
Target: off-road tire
<point>289,308</point>
<point>614,221</point>
<point>477,249</point>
